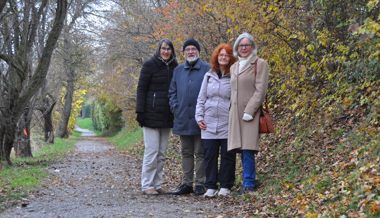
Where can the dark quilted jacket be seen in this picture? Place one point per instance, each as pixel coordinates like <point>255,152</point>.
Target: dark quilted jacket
<point>152,104</point>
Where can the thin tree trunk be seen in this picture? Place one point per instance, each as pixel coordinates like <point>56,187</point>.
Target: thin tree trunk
<point>70,72</point>
<point>83,112</point>
<point>46,109</point>
<point>48,123</point>
<point>62,129</point>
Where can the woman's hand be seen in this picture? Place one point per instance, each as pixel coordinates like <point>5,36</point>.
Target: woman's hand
<point>247,117</point>
<point>202,125</point>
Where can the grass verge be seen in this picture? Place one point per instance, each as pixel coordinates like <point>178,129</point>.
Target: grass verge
<point>19,180</point>
<point>126,139</point>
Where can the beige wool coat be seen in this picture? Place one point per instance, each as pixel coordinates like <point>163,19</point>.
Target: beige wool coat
<point>247,95</point>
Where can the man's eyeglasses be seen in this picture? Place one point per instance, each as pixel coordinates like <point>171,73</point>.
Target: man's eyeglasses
<point>190,49</point>
<point>224,55</point>
<point>245,46</point>
<point>166,49</point>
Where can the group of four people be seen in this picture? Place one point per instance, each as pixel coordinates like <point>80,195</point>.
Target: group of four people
<point>215,108</point>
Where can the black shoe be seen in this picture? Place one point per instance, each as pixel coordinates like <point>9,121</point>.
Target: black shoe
<point>247,190</point>
<point>199,190</point>
<point>183,190</point>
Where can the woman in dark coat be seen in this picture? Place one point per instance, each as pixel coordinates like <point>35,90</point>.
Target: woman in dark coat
<point>153,114</point>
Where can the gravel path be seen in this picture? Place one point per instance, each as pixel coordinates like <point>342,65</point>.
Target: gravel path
<point>98,180</point>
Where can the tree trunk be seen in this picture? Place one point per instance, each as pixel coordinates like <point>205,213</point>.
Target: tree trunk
<point>2,4</point>
<point>48,126</point>
<point>70,73</point>
<point>83,112</point>
<point>70,65</point>
<point>62,129</point>
<point>7,142</point>
<point>16,97</point>
<point>46,109</point>
<point>2,151</point>
<point>48,123</point>
<point>50,137</point>
<point>22,143</point>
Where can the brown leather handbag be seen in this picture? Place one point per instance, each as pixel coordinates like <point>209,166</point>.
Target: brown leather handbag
<point>265,123</point>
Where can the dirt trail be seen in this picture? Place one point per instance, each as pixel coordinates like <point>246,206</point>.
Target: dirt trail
<point>97,180</point>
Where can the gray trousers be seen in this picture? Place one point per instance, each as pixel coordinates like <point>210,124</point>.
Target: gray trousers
<point>192,145</point>
<point>156,142</point>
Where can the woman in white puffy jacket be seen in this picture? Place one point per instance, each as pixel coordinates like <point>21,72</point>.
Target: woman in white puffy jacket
<point>212,114</point>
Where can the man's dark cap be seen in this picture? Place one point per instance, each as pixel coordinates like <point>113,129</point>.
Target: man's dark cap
<point>191,42</point>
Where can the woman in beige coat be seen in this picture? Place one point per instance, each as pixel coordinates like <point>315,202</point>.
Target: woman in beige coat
<point>248,92</point>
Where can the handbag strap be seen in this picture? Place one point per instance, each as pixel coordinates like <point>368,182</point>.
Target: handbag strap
<point>266,96</point>
<point>256,66</point>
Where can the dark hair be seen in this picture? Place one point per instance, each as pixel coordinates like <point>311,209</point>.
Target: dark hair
<point>215,54</point>
<point>170,44</point>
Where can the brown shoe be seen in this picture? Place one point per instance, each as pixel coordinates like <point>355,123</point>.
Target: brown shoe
<point>150,192</point>
<point>163,191</point>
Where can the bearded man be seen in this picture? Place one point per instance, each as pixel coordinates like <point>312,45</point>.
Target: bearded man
<point>183,94</point>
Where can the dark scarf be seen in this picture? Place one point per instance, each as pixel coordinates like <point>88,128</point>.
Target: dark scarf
<point>220,74</point>
<point>166,62</point>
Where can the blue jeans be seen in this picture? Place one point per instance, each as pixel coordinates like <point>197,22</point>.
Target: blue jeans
<point>226,174</point>
<point>249,168</point>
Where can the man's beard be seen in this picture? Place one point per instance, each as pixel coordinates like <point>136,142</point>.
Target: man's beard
<point>192,59</point>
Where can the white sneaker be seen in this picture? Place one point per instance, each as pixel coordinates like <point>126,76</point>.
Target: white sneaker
<point>224,192</point>
<point>210,193</point>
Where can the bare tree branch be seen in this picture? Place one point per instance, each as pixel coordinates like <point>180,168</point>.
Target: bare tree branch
<point>2,4</point>
<point>10,62</point>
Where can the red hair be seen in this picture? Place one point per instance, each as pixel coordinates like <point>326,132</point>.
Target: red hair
<point>214,57</point>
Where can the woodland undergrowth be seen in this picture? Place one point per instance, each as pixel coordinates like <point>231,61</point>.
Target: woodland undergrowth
<point>323,58</point>
<point>327,167</point>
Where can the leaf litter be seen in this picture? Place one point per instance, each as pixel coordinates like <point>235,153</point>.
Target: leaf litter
<point>98,180</point>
